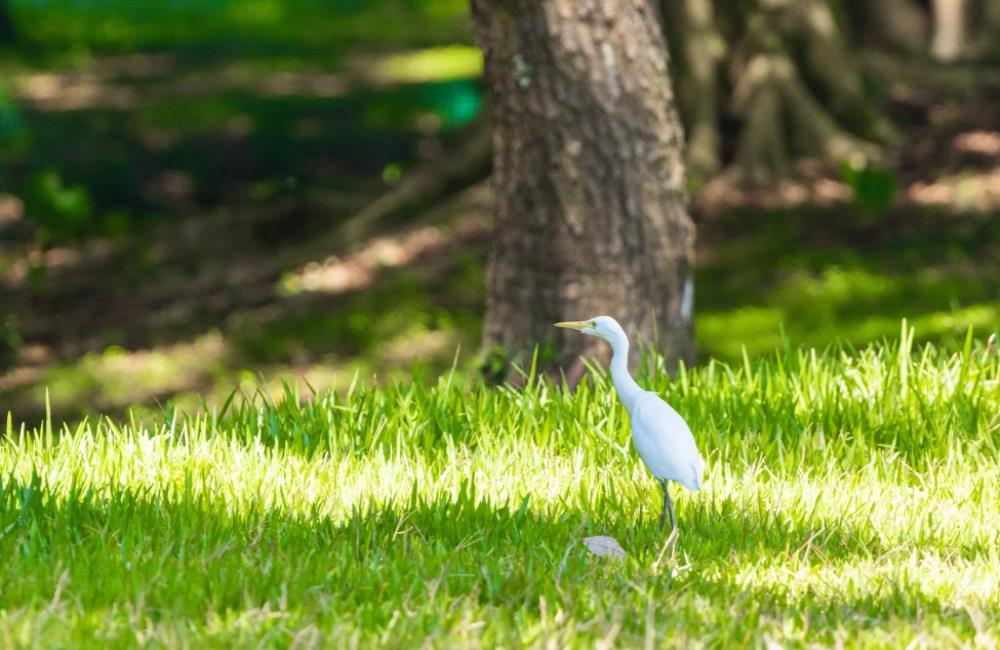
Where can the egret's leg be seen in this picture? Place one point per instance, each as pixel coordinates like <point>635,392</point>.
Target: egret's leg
<point>668,507</point>
<point>663,512</point>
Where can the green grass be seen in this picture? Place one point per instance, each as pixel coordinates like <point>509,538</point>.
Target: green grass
<point>300,26</point>
<point>823,276</point>
<point>848,499</point>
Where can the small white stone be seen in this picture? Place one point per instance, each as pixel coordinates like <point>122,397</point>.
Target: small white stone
<point>604,546</point>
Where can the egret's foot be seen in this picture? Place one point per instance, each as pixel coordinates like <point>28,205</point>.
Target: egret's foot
<point>669,544</point>
<point>672,538</point>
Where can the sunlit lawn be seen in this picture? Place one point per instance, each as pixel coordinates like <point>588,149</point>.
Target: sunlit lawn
<point>848,501</point>
<point>812,276</point>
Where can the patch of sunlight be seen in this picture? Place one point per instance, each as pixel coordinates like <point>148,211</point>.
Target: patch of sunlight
<point>417,344</point>
<point>72,91</point>
<point>116,377</point>
<point>256,13</point>
<point>434,64</point>
<point>834,506</point>
<point>952,581</point>
<point>837,286</point>
<point>858,306</point>
<point>821,19</point>
<point>933,325</point>
<point>982,143</point>
<point>969,191</point>
<point>358,270</point>
<point>723,334</point>
<point>980,317</point>
<point>395,360</point>
<point>271,381</point>
<point>849,513</point>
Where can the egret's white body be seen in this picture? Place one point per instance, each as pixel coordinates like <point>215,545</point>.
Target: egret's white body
<point>665,443</point>
<point>661,436</point>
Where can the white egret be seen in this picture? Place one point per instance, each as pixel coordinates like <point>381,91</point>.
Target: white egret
<point>661,436</point>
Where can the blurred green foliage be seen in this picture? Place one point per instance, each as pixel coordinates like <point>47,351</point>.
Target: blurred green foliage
<point>872,187</point>
<point>203,127</point>
<point>217,28</point>
<point>62,211</point>
<point>11,124</point>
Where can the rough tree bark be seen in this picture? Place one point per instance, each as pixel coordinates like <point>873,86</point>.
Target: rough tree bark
<point>589,177</point>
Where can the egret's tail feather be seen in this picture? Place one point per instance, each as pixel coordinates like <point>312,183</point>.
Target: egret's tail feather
<point>697,468</point>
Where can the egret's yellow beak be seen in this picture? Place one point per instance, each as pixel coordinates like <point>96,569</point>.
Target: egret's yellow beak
<point>574,325</point>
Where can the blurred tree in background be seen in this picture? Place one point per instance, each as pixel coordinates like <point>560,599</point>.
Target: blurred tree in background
<point>784,72</point>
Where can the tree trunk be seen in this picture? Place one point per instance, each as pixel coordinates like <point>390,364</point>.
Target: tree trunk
<point>589,178</point>
<point>900,24</point>
<point>697,49</point>
<point>7,32</point>
<point>949,29</point>
<point>988,36</point>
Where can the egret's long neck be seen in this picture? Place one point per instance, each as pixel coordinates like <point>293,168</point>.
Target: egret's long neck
<point>627,389</point>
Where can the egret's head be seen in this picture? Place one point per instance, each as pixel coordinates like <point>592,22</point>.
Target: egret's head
<point>603,327</point>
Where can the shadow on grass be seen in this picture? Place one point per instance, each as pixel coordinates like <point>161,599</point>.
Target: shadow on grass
<point>227,149</point>
<point>398,316</point>
<point>186,552</point>
<point>205,205</point>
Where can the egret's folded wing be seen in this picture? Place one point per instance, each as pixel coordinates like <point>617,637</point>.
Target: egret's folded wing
<point>664,441</point>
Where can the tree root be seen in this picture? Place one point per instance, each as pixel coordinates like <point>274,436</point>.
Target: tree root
<point>697,51</point>
<point>793,86</point>
<point>903,25</point>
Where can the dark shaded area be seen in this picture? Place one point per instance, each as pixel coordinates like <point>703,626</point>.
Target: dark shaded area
<point>164,183</point>
<point>8,34</point>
